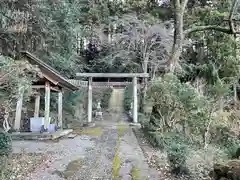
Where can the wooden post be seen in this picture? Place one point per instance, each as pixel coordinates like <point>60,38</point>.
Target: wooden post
<point>18,114</point>
<point>47,105</point>
<point>135,103</point>
<point>90,100</point>
<point>60,99</point>
<point>37,105</point>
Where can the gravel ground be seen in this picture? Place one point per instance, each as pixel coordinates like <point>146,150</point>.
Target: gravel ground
<point>60,154</point>
<point>99,160</point>
<point>94,156</point>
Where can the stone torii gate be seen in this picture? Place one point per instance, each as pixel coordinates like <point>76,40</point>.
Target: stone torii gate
<point>134,77</point>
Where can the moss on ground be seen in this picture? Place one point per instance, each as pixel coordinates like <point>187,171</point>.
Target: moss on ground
<point>122,128</point>
<point>95,131</point>
<point>72,168</point>
<point>116,164</point>
<point>135,173</point>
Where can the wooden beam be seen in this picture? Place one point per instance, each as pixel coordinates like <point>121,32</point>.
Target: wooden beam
<point>47,105</point>
<point>18,114</point>
<point>60,99</point>
<point>38,86</point>
<point>53,88</point>
<point>113,75</point>
<point>50,79</point>
<point>37,105</point>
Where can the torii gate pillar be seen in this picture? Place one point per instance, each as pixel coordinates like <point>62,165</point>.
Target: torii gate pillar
<point>135,101</point>
<point>89,99</point>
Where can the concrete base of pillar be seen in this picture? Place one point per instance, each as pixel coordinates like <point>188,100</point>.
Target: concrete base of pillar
<point>99,116</point>
<point>99,119</point>
<point>40,136</point>
<point>135,124</point>
<point>89,124</point>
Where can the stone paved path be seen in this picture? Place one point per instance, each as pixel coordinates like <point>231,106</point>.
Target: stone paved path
<point>98,157</point>
<point>133,160</point>
<point>116,100</point>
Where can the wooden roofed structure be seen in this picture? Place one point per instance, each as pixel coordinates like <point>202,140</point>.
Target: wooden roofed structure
<point>49,81</point>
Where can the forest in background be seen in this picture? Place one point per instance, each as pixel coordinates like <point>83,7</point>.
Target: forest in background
<point>194,100</point>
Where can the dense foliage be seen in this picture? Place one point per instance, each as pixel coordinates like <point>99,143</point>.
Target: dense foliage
<point>192,106</point>
<point>128,98</point>
<point>5,144</point>
<point>184,120</point>
<point>105,98</point>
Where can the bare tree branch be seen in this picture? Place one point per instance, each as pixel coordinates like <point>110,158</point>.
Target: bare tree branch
<point>230,30</point>
<point>231,22</point>
<point>209,27</point>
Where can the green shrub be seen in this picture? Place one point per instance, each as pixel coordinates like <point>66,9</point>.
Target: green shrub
<point>233,149</point>
<point>128,98</point>
<point>226,139</point>
<point>105,98</point>
<point>156,140</point>
<point>175,145</point>
<point>200,162</point>
<point>74,102</point>
<point>165,140</point>
<point>180,108</point>
<point>5,144</point>
<point>175,105</point>
<point>182,119</point>
<point>177,154</point>
<point>222,135</point>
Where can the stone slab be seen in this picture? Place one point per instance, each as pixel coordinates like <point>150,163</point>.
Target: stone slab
<point>40,136</point>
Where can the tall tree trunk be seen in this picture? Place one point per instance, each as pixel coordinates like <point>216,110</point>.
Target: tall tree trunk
<point>178,35</point>
<point>144,88</point>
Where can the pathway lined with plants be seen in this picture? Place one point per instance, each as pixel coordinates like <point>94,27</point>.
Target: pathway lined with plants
<point>109,151</point>
<point>116,100</point>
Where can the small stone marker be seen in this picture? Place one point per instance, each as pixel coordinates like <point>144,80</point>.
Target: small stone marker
<point>99,111</point>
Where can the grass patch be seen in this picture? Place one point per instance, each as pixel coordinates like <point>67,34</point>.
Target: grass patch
<point>96,131</point>
<point>72,168</point>
<point>135,173</point>
<point>116,164</point>
<point>122,129</point>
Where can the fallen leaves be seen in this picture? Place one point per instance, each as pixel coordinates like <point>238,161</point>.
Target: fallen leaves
<point>19,166</point>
